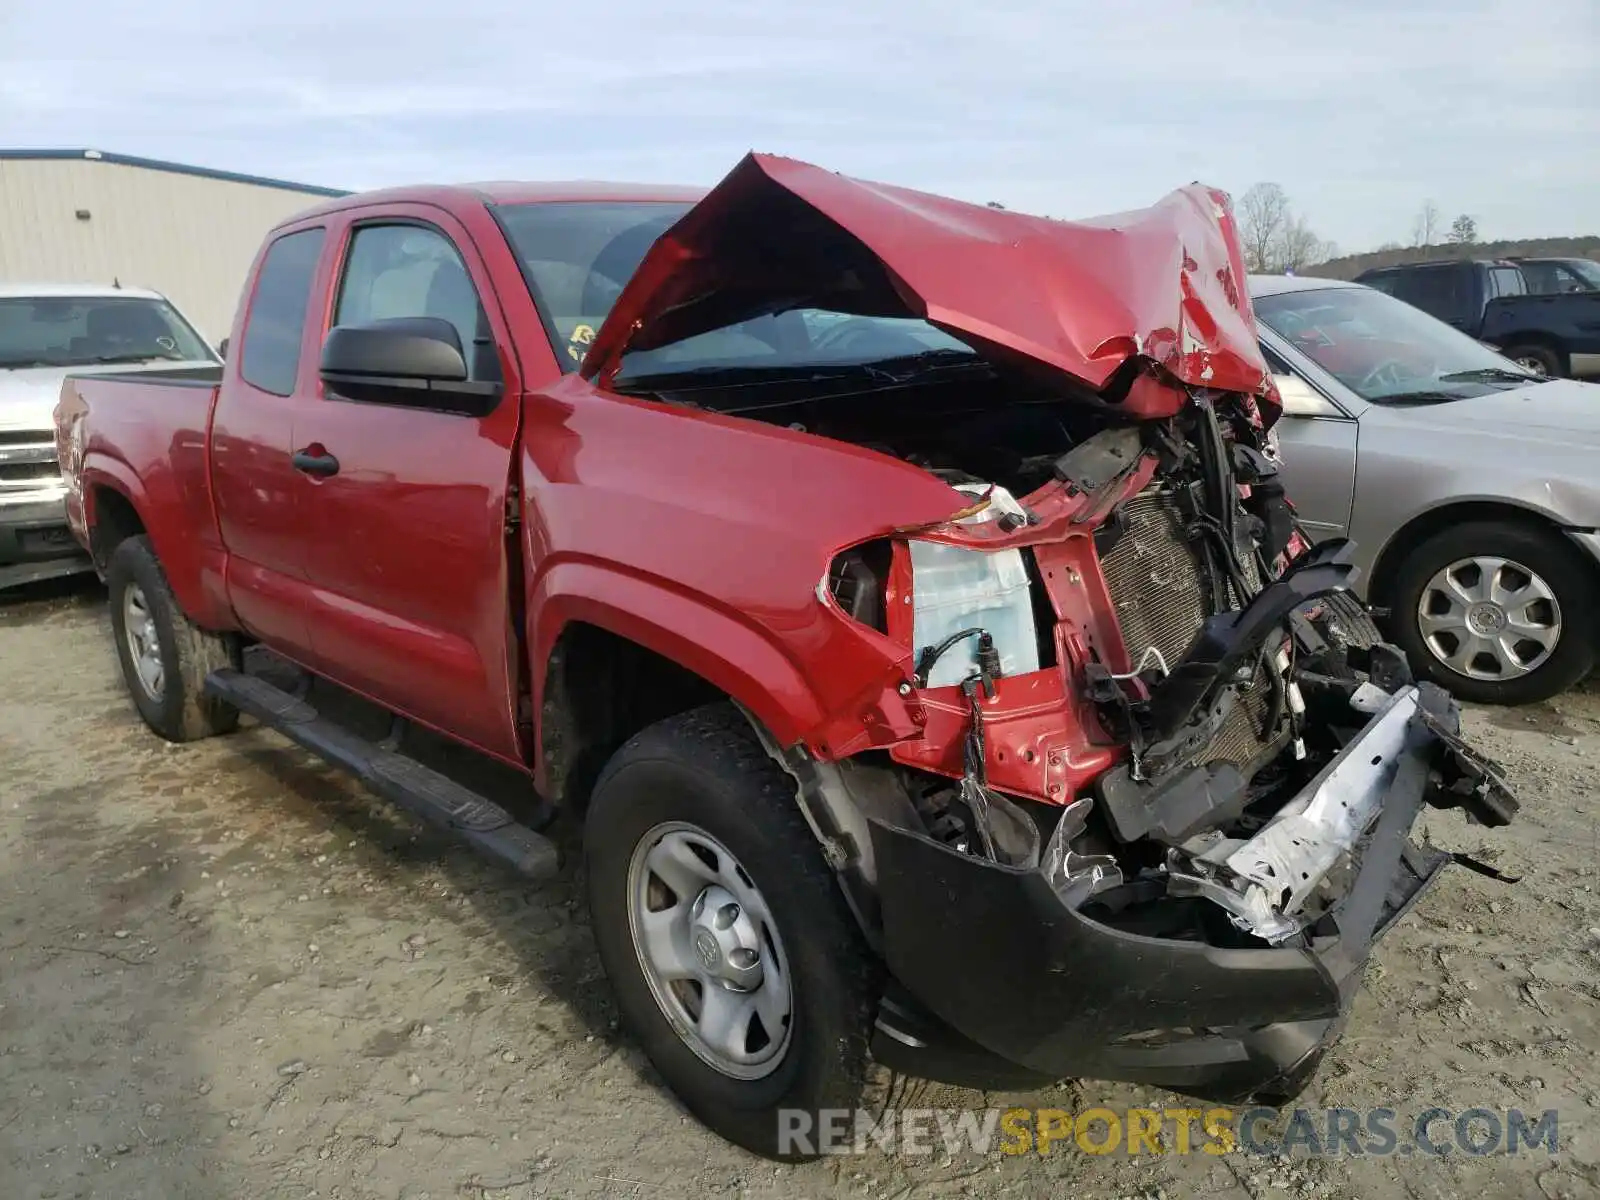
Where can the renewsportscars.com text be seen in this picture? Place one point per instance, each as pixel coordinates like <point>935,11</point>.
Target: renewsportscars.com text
<point>1316,1132</point>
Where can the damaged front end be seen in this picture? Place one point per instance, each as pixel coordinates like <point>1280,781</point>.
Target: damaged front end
<point>1116,772</point>
<point>1171,869</point>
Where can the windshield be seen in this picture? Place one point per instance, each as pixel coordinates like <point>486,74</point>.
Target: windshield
<point>1586,270</point>
<point>578,256</point>
<point>76,331</point>
<point>1385,350</point>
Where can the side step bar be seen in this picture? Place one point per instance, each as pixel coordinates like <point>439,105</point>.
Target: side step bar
<point>419,790</point>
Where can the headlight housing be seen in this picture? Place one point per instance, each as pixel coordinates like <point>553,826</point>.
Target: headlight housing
<point>954,589</point>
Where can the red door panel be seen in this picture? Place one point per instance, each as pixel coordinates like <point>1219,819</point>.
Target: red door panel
<point>405,548</point>
<point>256,492</point>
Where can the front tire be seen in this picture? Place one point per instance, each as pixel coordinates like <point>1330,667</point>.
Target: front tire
<point>1541,360</point>
<point>716,917</point>
<point>165,657</point>
<point>1497,612</point>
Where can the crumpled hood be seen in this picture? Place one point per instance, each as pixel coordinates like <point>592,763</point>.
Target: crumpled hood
<point>28,396</point>
<point>1078,298</point>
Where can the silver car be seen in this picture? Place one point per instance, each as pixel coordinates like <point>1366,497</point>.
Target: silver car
<point>1470,486</point>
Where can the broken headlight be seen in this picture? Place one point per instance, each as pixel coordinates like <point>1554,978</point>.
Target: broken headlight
<point>958,594</point>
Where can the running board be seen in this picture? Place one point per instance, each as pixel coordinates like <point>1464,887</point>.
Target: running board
<point>420,790</point>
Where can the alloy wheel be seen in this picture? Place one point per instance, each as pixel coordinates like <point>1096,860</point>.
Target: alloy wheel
<point>1489,618</point>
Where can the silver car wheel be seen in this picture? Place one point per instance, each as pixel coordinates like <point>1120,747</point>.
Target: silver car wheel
<point>710,950</point>
<point>144,647</point>
<point>1489,618</point>
<point>1529,363</point>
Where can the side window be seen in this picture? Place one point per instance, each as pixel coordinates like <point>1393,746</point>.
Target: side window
<point>1408,286</point>
<point>270,355</point>
<point>412,271</point>
<point>1506,281</point>
<point>1382,283</point>
<point>1436,290</point>
<point>1541,277</point>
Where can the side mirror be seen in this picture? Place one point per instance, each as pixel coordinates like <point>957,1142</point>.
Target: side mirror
<point>414,362</point>
<point>1300,399</point>
<point>222,348</point>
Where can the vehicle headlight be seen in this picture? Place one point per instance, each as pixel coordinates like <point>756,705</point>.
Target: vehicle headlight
<point>955,589</point>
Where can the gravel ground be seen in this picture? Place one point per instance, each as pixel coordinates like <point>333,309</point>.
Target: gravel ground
<point>226,971</point>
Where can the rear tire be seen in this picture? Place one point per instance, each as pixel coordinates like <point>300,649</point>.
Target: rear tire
<point>1539,359</point>
<point>165,657</point>
<point>1537,559</point>
<point>705,777</point>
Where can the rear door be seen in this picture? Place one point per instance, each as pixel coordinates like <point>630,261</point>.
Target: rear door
<point>256,490</point>
<point>407,559</point>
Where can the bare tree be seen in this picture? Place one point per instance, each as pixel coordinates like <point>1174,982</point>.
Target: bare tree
<point>1464,230</point>
<point>1275,238</point>
<point>1426,230</point>
<point>1298,246</point>
<point>1263,216</point>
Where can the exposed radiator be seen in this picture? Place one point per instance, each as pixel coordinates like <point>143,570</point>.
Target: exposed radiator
<point>1163,593</point>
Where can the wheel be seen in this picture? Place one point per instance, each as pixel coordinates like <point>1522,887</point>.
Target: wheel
<point>1346,619</point>
<point>1541,360</point>
<point>165,657</point>
<point>736,963</point>
<point>1497,612</point>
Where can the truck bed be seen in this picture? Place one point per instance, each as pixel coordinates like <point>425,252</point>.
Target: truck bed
<point>146,430</point>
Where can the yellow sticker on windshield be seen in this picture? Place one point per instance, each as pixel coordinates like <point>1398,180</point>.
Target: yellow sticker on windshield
<point>578,342</point>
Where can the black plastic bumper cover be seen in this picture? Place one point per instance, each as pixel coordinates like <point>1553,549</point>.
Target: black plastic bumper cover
<point>993,954</point>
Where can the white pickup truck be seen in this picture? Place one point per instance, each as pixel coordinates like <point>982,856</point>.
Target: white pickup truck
<point>47,330</point>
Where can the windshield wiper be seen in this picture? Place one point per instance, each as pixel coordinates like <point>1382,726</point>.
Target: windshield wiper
<point>24,364</point>
<point>1418,397</point>
<point>1486,373</point>
<point>101,360</point>
<point>907,367</point>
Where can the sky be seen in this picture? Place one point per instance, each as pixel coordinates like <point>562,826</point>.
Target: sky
<point>1361,110</point>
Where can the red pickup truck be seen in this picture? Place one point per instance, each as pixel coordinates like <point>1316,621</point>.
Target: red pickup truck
<point>900,591</point>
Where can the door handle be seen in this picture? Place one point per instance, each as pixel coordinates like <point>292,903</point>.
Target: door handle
<point>314,460</point>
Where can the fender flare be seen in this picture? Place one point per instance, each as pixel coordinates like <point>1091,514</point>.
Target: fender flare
<point>722,648</point>
<point>182,559</point>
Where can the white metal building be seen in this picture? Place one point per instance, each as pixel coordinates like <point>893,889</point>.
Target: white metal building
<point>84,216</point>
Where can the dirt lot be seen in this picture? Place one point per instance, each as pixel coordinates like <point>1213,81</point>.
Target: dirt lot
<point>227,972</point>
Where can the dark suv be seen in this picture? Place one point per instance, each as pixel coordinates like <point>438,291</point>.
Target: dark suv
<point>1531,310</point>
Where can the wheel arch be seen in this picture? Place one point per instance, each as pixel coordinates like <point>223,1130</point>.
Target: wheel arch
<point>113,519</point>
<point>1536,337</point>
<point>186,550</point>
<point>1424,525</point>
<point>612,653</point>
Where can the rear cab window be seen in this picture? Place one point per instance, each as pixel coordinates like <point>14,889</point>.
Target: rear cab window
<point>274,328</point>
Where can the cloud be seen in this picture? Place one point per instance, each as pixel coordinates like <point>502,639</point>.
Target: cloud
<point>1057,106</point>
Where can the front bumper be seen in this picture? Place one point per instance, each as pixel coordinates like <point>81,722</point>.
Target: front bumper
<point>1002,984</point>
<point>36,543</point>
